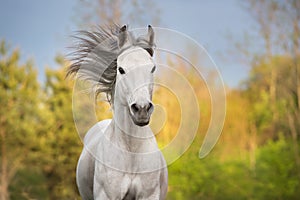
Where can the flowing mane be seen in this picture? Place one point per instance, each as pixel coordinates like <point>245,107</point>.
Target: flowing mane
<point>95,57</point>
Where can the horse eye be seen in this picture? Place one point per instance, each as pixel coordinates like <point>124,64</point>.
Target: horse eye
<point>121,70</point>
<point>153,69</point>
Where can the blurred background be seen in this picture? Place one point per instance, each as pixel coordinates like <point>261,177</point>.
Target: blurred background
<point>255,45</point>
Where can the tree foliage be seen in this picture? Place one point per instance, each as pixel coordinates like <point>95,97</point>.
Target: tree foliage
<point>20,116</point>
<point>38,144</point>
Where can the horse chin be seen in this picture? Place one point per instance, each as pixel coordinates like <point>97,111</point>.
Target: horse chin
<point>140,122</point>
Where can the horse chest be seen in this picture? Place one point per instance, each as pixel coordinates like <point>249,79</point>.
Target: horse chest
<point>126,185</point>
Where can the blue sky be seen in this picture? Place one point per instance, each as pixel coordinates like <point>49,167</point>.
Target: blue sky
<point>42,29</point>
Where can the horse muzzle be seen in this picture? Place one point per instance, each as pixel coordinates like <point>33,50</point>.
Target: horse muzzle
<point>140,114</point>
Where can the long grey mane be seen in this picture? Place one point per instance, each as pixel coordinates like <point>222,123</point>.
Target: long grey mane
<point>96,53</point>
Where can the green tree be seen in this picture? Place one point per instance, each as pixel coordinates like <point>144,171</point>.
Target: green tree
<point>276,171</point>
<point>20,117</point>
<point>63,145</point>
<point>273,85</point>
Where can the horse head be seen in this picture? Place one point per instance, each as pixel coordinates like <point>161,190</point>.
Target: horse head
<point>134,79</point>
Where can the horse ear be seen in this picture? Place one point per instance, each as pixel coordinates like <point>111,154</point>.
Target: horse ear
<point>150,35</point>
<point>123,37</point>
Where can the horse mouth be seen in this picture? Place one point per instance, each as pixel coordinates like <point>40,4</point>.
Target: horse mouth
<point>140,121</point>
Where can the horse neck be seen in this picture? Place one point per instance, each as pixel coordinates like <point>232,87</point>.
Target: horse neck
<point>126,134</point>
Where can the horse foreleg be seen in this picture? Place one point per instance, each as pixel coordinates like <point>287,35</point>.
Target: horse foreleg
<point>85,175</point>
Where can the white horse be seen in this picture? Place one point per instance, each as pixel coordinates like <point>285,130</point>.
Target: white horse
<point>120,159</point>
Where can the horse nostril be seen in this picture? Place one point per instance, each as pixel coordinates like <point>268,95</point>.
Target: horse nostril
<point>149,107</point>
<point>134,107</point>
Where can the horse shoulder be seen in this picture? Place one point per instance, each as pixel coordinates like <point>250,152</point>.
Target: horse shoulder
<point>96,131</point>
<point>86,163</point>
